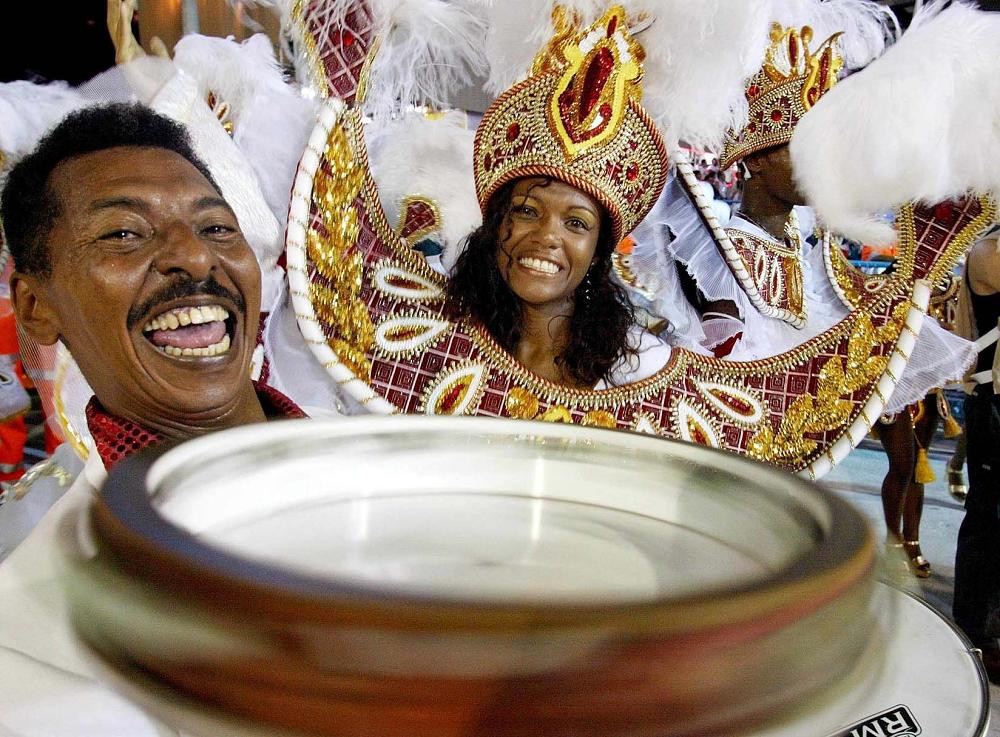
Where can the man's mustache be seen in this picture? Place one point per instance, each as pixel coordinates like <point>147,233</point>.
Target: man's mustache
<point>184,287</point>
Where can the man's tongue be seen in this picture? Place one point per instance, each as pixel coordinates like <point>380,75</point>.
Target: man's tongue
<point>189,336</point>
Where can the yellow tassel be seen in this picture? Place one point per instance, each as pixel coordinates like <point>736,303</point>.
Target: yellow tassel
<point>951,427</point>
<point>923,473</point>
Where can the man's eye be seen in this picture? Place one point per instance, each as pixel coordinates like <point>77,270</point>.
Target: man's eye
<point>218,229</point>
<point>119,235</point>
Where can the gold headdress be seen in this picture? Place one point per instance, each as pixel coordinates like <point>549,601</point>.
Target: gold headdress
<point>792,80</point>
<point>577,118</point>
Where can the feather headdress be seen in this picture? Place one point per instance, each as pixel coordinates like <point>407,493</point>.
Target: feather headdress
<point>697,55</point>
<point>808,44</point>
<point>918,124</point>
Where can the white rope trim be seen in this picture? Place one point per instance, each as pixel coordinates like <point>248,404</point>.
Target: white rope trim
<point>690,183</point>
<point>886,385</point>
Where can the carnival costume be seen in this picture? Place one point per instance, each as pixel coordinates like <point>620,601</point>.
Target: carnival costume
<point>375,316</point>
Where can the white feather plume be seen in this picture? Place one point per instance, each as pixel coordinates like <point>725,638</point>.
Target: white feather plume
<point>28,111</point>
<point>698,56</point>
<point>428,48</point>
<point>416,155</point>
<point>516,33</point>
<point>920,123</point>
<point>271,120</point>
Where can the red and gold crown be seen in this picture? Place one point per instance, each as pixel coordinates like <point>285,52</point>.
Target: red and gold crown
<point>792,80</point>
<point>577,118</point>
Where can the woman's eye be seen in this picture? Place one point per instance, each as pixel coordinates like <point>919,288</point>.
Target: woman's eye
<point>524,210</point>
<point>577,223</point>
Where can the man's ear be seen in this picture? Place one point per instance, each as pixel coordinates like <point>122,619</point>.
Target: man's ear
<point>33,312</point>
<point>755,163</point>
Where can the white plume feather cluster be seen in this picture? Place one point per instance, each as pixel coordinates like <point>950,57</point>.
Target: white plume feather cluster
<point>271,120</point>
<point>236,72</point>
<point>920,123</point>
<point>28,111</point>
<point>514,38</point>
<point>428,49</point>
<point>416,155</point>
<point>698,56</point>
<point>867,27</point>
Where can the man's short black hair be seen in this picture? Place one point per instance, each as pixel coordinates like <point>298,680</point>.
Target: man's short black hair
<point>29,207</point>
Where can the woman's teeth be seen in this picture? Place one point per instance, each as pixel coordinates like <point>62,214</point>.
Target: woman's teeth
<point>537,264</point>
<point>183,316</point>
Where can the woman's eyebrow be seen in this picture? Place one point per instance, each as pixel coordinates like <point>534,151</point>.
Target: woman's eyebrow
<point>585,208</point>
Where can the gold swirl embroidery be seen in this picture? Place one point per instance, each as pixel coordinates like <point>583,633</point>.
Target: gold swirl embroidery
<point>831,407</point>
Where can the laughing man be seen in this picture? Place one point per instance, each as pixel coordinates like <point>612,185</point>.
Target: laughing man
<point>125,251</point>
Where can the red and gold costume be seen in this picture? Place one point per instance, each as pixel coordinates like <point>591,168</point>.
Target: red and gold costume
<point>375,317</point>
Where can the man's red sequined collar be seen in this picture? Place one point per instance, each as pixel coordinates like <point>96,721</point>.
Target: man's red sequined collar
<point>116,438</point>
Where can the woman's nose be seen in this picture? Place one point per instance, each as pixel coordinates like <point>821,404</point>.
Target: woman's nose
<point>549,234</point>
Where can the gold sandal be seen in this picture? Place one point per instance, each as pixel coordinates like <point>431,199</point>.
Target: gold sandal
<point>919,565</point>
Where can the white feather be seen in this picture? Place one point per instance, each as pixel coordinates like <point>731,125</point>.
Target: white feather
<point>517,32</point>
<point>271,120</point>
<point>921,123</point>
<point>414,155</point>
<point>697,55</point>
<point>28,111</point>
<point>428,48</point>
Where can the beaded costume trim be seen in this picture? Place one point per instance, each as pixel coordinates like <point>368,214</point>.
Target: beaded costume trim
<point>767,272</point>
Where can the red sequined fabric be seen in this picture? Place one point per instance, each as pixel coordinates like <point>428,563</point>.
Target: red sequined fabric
<point>114,437</point>
<point>117,438</point>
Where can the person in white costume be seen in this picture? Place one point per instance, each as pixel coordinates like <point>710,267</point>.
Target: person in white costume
<point>771,260</point>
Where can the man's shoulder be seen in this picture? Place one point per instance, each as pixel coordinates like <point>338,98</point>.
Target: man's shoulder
<point>984,265</point>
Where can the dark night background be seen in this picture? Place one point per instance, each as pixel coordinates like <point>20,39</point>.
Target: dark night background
<point>67,40</point>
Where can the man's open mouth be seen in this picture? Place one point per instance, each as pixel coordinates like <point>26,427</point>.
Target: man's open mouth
<point>199,331</point>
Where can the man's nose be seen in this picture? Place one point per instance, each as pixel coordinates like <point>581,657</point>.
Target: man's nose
<point>181,250</point>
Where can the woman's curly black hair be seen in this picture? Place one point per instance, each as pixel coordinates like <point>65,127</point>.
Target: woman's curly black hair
<point>602,315</point>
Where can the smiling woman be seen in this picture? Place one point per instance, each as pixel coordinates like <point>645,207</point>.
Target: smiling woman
<point>537,275</point>
<point>559,186</point>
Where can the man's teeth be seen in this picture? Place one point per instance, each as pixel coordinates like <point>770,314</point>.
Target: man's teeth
<point>183,316</point>
<point>546,267</point>
<point>213,350</point>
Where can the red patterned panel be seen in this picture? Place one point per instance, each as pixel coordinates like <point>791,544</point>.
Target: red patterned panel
<point>341,49</point>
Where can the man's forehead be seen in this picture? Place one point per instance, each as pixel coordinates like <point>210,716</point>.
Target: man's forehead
<point>134,169</point>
